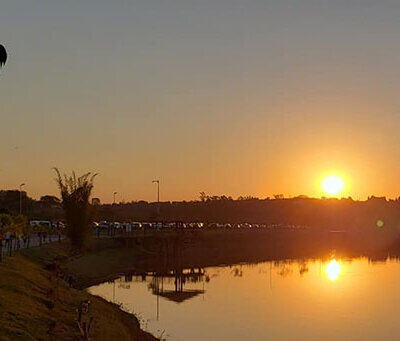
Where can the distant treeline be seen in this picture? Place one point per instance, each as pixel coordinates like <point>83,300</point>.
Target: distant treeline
<point>338,214</point>
<point>48,207</point>
<point>320,213</point>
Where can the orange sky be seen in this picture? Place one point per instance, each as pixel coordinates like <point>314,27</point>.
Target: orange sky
<point>220,97</point>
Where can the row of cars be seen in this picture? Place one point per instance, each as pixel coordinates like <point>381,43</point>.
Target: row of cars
<point>47,224</point>
<point>245,226</point>
<point>130,226</point>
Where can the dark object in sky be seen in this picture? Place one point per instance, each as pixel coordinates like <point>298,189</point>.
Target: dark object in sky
<point>3,55</point>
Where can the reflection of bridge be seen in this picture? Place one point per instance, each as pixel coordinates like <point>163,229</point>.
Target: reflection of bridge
<point>180,278</point>
<point>161,280</point>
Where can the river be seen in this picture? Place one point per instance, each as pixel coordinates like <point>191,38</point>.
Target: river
<point>314,299</point>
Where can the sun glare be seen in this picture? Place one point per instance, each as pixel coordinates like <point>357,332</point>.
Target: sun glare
<point>333,270</point>
<point>332,185</point>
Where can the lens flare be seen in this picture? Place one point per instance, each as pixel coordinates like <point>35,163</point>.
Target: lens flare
<point>333,270</point>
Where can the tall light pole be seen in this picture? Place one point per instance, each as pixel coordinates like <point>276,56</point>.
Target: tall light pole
<point>20,198</point>
<point>158,194</point>
<point>114,196</point>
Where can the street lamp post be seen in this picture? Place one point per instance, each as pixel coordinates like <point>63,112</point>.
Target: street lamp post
<point>114,196</point>
<point>20,198</point>
<point>158,195</point>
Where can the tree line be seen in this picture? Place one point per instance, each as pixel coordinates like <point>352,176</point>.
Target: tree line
<point>323,214</point>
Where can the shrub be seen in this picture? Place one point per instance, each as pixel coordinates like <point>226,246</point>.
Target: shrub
<point>75,194</point>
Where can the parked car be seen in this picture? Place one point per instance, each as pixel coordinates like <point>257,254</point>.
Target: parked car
<point>136,226</point>
<point>103,225</point>
<point>43,223</point>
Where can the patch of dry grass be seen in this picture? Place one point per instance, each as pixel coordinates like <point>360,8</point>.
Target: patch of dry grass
<point>35,304</point>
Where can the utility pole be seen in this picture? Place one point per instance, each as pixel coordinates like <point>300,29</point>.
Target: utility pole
<point>158,195</point>
<point>20,198</point>
<point>114,196</point>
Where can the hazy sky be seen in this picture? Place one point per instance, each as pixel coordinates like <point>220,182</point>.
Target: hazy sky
<point>224,96</point>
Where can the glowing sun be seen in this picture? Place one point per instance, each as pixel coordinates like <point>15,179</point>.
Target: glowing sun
<point>333,185</point>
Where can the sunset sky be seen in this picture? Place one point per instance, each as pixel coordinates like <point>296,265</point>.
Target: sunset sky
<point>228,97</point>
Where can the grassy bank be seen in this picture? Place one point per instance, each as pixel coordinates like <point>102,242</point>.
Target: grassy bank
<point>36,304</point>
<point>102,258</point>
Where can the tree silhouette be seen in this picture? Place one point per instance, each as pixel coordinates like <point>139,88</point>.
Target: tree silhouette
<point>3,55</point>
<point>75,193</point>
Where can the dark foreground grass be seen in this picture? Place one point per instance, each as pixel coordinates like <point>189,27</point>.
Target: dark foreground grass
<point>98,261</point>
<point>35,304</point>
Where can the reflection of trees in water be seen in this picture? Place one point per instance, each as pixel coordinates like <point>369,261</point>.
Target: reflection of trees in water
<point>287,267</point>
<point>237,271</point>
<point>170,284</point>
<point>303,268</point>
<point>285,271</point>
<point>124,285</point>
<point>283,268</point>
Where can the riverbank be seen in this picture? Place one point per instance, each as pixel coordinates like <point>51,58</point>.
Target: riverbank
<point>39,287</point>
<point>36,303</point>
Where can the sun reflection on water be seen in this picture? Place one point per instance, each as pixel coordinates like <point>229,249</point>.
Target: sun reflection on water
<point>333,270</point>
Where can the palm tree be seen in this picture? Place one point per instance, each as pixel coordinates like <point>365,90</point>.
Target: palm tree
<point>3,55</point>
<point>75,193</point>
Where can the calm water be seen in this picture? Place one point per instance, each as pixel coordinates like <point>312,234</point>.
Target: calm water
<point>336,299</point>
